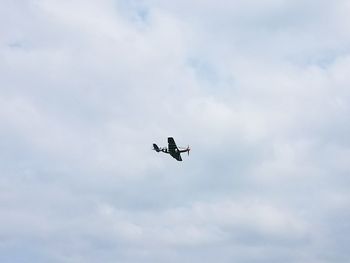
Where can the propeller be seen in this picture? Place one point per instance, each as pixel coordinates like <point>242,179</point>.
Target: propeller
<point>188,149</point>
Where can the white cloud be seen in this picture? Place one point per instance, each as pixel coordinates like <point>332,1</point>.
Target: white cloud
<point>258,89</point>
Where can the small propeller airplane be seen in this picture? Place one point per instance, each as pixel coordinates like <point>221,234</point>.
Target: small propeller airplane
<point>172,149</point>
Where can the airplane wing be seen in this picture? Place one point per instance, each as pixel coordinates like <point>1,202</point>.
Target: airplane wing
<point>178,157</point>
<point>173,150</point>
<point>171,144</point>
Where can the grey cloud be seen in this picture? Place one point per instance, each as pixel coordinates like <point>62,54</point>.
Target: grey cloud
<point>258,90</point>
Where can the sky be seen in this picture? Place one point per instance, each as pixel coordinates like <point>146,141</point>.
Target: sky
<point>258,89</point>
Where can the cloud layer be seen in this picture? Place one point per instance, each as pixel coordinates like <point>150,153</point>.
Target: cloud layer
<point>258,89</point>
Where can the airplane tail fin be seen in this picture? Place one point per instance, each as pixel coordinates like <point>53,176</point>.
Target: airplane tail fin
<point>156,148</point>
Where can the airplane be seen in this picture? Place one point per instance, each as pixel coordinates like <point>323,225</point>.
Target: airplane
<point>172,149</point>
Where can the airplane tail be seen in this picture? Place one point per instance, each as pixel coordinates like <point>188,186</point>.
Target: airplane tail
<point>156,148</point>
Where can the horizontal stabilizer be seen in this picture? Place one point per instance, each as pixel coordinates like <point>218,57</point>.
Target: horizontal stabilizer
<point>156,148</point>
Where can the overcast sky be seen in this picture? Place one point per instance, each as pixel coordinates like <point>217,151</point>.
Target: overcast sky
<point>258,89</point>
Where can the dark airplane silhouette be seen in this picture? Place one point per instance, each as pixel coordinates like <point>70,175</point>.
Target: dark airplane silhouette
<point>172,149</point>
